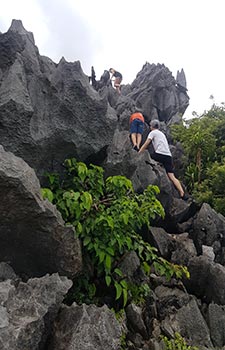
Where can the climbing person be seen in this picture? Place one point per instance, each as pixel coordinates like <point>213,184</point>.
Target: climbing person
<point>162,153</point>
<point>92,77</point>
<point>105,79</point>
<point>136,129</point>
<point>118,78</point>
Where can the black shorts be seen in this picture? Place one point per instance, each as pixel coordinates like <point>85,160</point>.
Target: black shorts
<point>166,161</point>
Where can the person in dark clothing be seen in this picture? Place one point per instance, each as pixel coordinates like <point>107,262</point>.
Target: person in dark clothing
<point>118,78</point>
<point>105,79</point>
<point>92,77</point>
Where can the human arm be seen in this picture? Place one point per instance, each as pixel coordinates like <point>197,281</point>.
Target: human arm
<point>145,145</point>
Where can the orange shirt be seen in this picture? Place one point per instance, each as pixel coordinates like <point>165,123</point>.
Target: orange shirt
<point>136,115</point>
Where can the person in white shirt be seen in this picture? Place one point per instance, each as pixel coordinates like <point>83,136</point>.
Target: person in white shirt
<point>162,153</point>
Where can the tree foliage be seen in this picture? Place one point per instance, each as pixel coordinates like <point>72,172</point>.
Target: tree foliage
<point>107,216</point>
<point>203,140</point>
<point>178,343</point>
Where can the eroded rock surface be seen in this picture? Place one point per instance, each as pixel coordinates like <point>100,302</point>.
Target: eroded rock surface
<point>33,235</point>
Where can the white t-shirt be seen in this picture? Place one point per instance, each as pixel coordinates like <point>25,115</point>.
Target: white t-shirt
<point>159,142</point>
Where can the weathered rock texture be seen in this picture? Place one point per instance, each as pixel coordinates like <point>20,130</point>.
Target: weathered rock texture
<point>33,236</point>
<point>27,311</point>
<point>90,327</point>
<point>49,112</point>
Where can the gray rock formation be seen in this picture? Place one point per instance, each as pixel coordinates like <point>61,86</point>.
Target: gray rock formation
<point>217,324</point>
<point>33,236</point>
<point>86,327</point>
<point>28,310</point>
<point>158,93</point>
<point>49,112</point>
<point>209,230</point>
<point>180,313</point>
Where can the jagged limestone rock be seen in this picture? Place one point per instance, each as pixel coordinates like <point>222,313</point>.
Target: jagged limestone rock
<point>27,315</point>
<point>33,235</point>
<point>48,111</point>
<point>86,327</point>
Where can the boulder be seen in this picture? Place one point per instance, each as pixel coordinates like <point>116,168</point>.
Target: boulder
<point>28,312</point>
<point>33,236</point>
<point>180,313</point>
<point>209,230</point>
<point>86,327</point>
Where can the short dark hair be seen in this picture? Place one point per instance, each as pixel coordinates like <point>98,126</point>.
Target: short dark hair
<point>155,123</point>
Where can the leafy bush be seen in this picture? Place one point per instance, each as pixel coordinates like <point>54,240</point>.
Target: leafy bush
<point>107,216</point>
<point>178,343</point>
<point>203,141</point>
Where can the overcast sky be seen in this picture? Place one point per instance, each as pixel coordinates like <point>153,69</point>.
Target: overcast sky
<point>124,34</point>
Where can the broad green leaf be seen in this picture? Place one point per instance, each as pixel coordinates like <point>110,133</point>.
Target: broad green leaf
<point>86,240</point>
<point>76,195</point>
<point>110,222</point>
<point>51,178</point>
<point>86,198</point>
<point>108,280</point>
<point>125,218</point>
<point>129,242</point>
<point>108,262</point>
<point>119,290</point>
<point>90,246</point>
<point>110,251</point>
<point>118,272</point>
<point>79,228</point>
<point>160,268</point>
<point>124,297</point>
<point>47,193</point>
<point>82,170</point>
<point>146,268</point>
<point>101,257</point>
<point>124,284</point>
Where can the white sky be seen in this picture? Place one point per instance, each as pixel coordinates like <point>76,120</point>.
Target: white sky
<point>124,34</point>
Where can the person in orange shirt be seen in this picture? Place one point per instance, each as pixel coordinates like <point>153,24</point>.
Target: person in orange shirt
<point>136,129</point>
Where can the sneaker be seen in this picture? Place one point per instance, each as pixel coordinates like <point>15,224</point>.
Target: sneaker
<point>185,197</point>
<point>135,148</point>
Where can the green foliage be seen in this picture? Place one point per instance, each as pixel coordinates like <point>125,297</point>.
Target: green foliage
<point>212,189</point>
<point>199,143</point>
<point>204,143</point>
<point>165,268</point>
<point>47,194</point>
<point>139,293</point>
<point>191,176</point>
<point>107,216</point>
<point>178,343</point>
<point>84,292</point>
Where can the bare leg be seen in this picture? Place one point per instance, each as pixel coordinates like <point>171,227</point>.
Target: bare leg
<point>117,86</point>
<point>139,137</point>
<point>176,183</point>
<point>134,139</point>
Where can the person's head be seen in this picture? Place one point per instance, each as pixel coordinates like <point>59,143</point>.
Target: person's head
<point>155,124</point>
<point>111,70</point>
